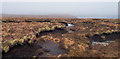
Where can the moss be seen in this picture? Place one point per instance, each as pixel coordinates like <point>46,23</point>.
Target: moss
<point>21,41</point>
<point>13,42</point>
<point>34,57</point>
<point>43,28</point>
<point>6,48</point>
<point>33,36</point>
<point>39,29</point>
<point>30,42</point>
<point>47,28</point>
<point>53,27</point>
<point>59,26</point>
<point>25,37</point>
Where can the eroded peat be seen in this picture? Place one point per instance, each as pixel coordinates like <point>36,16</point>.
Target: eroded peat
<point>47,37</point>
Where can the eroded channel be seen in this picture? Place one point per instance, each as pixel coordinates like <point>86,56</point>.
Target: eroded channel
<point>104,39</point>
<point>42,49</point>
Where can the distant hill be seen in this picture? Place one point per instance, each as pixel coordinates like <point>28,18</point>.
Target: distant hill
<point>48,16</point>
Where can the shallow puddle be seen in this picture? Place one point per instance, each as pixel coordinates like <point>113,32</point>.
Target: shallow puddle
<point>52,48</point>
<point>70,25</point>
<point>41,49</point>
<point>67,24</point>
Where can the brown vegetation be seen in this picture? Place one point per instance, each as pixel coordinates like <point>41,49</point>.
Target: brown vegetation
<point>77,41</point>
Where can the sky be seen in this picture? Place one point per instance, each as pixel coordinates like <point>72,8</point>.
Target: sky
<point>60,0</point>
<point>78,9</point>
<point>0,10</point>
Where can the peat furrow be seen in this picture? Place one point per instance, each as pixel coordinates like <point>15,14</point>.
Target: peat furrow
<point>6,45</point>
<point>104,37</point>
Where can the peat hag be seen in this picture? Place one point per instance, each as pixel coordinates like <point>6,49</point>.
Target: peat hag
<point>105,37</point>
<point>56,31</point>
<point>37,49</point>
<point>40,49</point>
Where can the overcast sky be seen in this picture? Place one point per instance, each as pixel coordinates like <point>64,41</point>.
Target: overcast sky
<point>79,9</point>
<point>60,0</point>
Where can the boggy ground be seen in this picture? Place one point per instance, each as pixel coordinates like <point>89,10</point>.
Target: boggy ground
<point>51,37</point>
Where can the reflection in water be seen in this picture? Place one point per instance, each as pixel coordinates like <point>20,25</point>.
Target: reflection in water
<point>69,25</point>
<point>102,43</point>
<point>105,38</point>
<point>52,47</point>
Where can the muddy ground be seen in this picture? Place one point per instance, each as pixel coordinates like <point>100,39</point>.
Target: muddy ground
<point>86,38</point>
